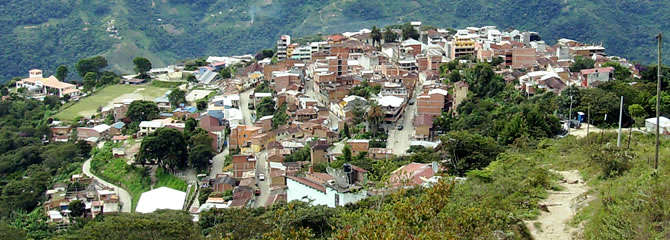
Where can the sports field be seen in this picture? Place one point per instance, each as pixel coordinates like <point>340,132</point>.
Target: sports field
<point>107,97</point>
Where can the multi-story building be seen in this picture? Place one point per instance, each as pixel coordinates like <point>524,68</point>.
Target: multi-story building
<point>242,164</point>
<point>462,45</point>
<point>282,46</point>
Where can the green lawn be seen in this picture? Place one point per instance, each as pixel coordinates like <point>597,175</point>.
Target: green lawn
<point>105,97</point>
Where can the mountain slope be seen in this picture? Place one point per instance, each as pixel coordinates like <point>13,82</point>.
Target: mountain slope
<point>58,32</point>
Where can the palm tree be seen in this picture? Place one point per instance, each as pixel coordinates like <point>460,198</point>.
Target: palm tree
<point>375,116</point>
<point>376,35</point>
<point>389,35</point>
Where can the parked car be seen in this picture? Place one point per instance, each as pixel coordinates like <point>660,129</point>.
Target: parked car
<point>261,177</point>
<point>257,191</point>
<point>411,102</point>
<point>400,127</point>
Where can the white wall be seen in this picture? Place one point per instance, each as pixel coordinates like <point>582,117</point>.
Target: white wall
<point>297,191</point>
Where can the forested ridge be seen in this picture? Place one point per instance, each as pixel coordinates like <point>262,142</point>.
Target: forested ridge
<point>57,32</point>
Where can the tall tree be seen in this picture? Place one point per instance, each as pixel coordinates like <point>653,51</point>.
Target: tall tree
<point>90,80</point>
<point>408,31</point>
<point>376,35</point>
<point>77,208</point>
<point>266,107</point>
<point>165,147</point>
<point>199,156</point>
<point>638,114</point>
<point>142,110</point>
<point>468,151</point>
<point>93,64</point>
<point>61,72</point>
<point>142,66</point>
<point>280,117</point>
<point>375,116</point>
<point>176,97</point>
<point>389,36</point>
<point>346,153</point>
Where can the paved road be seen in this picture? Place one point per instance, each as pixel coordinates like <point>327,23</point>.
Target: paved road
<point>399,140</point>
<point>124,196</point>
<point>217,163</point>
<point>262,167</point>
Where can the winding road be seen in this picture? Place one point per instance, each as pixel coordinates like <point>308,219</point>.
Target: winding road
<point>124,196</point>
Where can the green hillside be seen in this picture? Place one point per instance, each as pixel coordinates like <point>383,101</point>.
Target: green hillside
<point>56,32</point>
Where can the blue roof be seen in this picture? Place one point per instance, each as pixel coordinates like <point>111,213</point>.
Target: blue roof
<point>218,114</point>
<point>166,114</point>
<point>118,125</point>
<point>190,109</point>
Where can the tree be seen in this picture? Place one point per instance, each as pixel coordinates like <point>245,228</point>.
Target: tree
<point>176,97</point>
<point>77,208</point>
<point>376,35</point>
<point>346,153</point>
<point>408,31</point>
<point>581,63</point>
<point>90,80</point>
<point>61,73</point>
<point>142,110</point>
<point>621,73</point>
<point>638,114</point>
<point>345,131</point>
<point>84,148</point>
<point>226,73</point>
<point>165,147</point>
<point>93,64</point>
<point>280,117</point>
<point>142,66</point>
<point>389,35</point>
<point>199,156</point>
<point>162,224</point>
<point>375,116</point>
<point>467,151</point>
<point>201,104</point>
<point>266,107</point>
<point>303,154</point>
<point>190,125</point>
<point>454,76</point>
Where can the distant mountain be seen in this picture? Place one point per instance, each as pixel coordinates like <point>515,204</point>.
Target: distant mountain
<point>46,33</point>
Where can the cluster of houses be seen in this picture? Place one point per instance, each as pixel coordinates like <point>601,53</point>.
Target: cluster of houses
<point>97,199</point>
<point>314,81</point>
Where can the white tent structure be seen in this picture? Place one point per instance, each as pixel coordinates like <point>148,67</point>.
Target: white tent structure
<point>650,125</point>
<point>161,198</point>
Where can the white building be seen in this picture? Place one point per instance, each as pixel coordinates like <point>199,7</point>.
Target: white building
<point>161,198</point>
<point>282,45</point>
<point>302,189</point>
<point>650,125</point>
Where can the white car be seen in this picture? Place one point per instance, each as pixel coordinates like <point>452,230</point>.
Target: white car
<point>261,177</point>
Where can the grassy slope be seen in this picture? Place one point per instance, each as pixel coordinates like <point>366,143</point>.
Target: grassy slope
<point>104,97</point>
<point>630,205</point>
<point>134,179</point>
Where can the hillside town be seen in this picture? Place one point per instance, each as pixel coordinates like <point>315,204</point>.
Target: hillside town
<point>302,123</point>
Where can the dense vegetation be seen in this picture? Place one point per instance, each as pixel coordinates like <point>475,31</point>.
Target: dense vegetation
<point>166,31</point>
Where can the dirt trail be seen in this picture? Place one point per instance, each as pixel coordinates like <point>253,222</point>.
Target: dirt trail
<point>562,206</point>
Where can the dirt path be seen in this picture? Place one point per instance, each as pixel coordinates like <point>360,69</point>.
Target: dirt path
<point>562,206</point>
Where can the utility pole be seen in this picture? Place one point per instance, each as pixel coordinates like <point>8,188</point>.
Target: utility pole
<point>618,139</point>
<point>588,123</point>
<point>570,115</point>
<point>658,97</point>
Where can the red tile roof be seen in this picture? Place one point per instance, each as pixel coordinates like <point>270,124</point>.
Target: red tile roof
<point>308,183</point>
